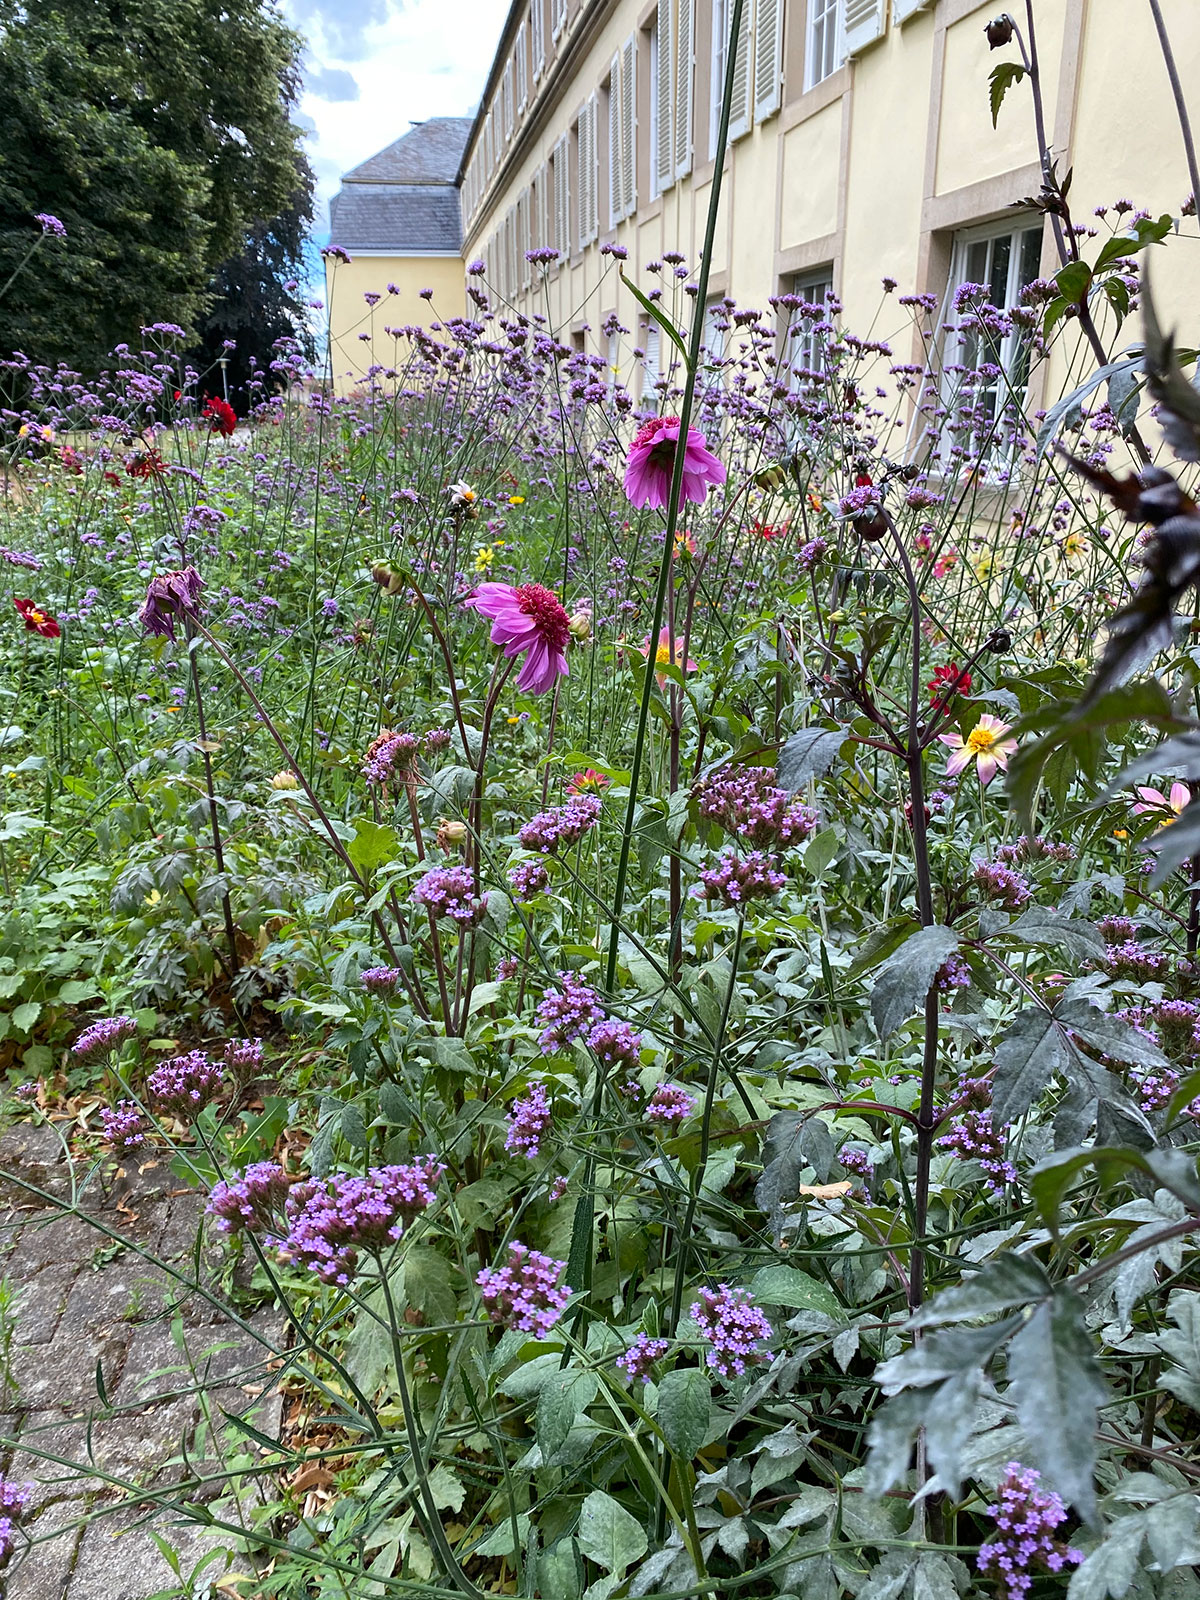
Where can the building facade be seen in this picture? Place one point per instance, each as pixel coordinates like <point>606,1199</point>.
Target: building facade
<point>861,145</point>
<point>398,218</point>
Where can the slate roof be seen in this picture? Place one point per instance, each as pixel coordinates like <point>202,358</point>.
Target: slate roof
<point>405,198</point>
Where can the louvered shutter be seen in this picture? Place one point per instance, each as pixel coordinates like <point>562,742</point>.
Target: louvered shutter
<point>768,44</point>
<point>524,242</point>
<point>903,9</point>
<point>739,105</point>
<point>628,126</point>
<point>537,35</point>
<point>685,19</point>
<point>865,21</point>
<point>522,60</point>
<point>614,142</point>
<point>560,15</point>
<point>562,201</point>
<point>651,363</point>
<point>663,90</point>
<point>589,221</point>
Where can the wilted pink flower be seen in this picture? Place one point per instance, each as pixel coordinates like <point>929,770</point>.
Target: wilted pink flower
<point>985,745</point>
<point>530,621</point>
<point>1168,806</point>
<point>651,461</point>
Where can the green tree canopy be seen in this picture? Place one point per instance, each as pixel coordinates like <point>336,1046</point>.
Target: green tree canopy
<point>159,131</point>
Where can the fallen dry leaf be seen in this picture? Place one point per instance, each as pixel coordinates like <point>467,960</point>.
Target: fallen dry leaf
<point>824,1191</point>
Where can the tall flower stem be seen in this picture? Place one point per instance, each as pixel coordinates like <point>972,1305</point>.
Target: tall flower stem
<point>213,817</point>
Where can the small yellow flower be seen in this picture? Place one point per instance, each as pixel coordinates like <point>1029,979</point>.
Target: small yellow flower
<point>512,721</point>
<point>1120,833</point>
<point>984,565</point>
<point>1074,545</point>
<point>516,499</point>
<point>285,780</point>
<point>483,558</point>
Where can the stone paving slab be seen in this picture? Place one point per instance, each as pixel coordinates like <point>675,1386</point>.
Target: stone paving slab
<point>82,1299</point>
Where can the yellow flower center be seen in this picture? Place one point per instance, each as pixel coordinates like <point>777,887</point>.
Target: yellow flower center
<point>981,741</point>
<point>663,655</point>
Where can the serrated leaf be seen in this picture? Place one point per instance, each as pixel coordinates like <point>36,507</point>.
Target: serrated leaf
<point>372,846</point>
<point>560,1571</point>
<point>1000,80</point>
<point>354,1129</point>
<point>1110,1568</point>
<point>1026,1061</point>
<point>904,980</point>
<point>1007,1281</point>
<point>608,1534</point>
<point>1112,1035</point>
<point>787,1286</point>
<point>1055,1380</point>
<point>949,1420</point>
<point>684,1410</point>
<point>944,1354</point>
<point>806,755</point>
<point>563,1397</point>
<point>24,1016</point>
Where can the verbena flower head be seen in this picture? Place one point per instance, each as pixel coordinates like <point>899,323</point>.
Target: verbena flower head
<point>37,619</point>
<point>449,892</point>
<point>50,225</point>
<point>528,1120</point>
<point>525,1293</point>
<point>973,1137</point>
<point>170,596</point>
<point>1027,1518</point>
<point>651,462</point>
<point>564,824</point>
<point>739,879</point>
<point>528,878</point>
<point>811,554</point>
<point>103,1037</point>
<point>185,1084</point>
<point>641,1356</point>
<point>1001,884</point>
<point>253,1202</point>
<point>330,1223</point>
<point>747,802</point>
<point>567,1015</point>
<point>986,745</point>
<point>616,1044</point>
<point>381,980</point>
<point>123,1127</point>
<point>243,1057</point>
<point>15,1498</point>
<point>391,755</point>
<point>528,620</point>
<point>734,1326</point>
<point>670,1103</point>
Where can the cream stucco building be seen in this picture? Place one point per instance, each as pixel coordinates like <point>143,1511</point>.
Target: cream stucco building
<point>861,145</point>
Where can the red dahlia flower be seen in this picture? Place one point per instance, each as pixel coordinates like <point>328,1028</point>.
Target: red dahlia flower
<point>946,682</point>
<point>529,621</point>
<point>36,620</point>
<point>220,415</point>
<point>651,462</point>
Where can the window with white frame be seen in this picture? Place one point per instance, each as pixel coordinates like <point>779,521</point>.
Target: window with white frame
<point>807,332</point>
<point>521,59</point>
<point>985,371</point>
<point>537,35</point>
<point>613,356</point>
<point>826,42</point>
<point>622,133</point>
<point>651,364</point>
<point>586,188</point>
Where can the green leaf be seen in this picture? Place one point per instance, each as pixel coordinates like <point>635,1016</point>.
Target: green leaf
<point>77,989</point>
<point>24,1016</point>
<point>1056,1382</point>
<point>1112,1566</point>
<point>562,1399</point>
<point>806,755</point>
<point>949,1420</point>
<point>820,851</point>
<point>354,1129</point>
<point>560,1571</point>
<point>658,315</point>
<point>1006,1282</point>
<point>1000,80</point>
<point>1110,1035</point>
<point>905,977</point>
<point>372,846</point>
<point>880,944</point>
<point>890,1437</point>
<point>609,1534</point>
<point>795,1290</point>
<point>1182,1345</point>
<point>685,1410</point>
<point>1073,280</point>
<point>1026,1060</point>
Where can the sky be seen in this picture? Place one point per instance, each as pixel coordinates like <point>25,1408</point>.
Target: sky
<point>374,66</point>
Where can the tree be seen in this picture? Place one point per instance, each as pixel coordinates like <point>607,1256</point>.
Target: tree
<point>159,132</point>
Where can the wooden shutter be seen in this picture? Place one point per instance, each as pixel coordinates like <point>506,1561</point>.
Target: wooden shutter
<point>739,105</point>
<point>589,221</point>
<point>768,45</point>
<point>524,242</point>
<point>537,36</point>
<point>629,126</point>
<point>562,200</point>
<point>685,22</point>
<point>663,90</point>
<point>865,21</point>
<point>522,60</point>
<point>903,9</point>
<point>559,15</point>
<point>614,142</point>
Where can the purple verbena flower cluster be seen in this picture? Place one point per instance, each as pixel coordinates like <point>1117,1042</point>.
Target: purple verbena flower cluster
<point>972,1137</point>
<point>734,1327</point>
<point>103,1037</point>
<point>670,1103</point>
<point>525,1293</point>
<point>739,879</point>
<point>748,804</point>
<point>811,554</point>
<point>381,980</point>
<point>253,1201</point>
<point>1025,1541</point>
<point>855,1161</point>
<point>123,1127</point>
<point>528,1120</point>
<point>243,1057</point>
<point>15,1500</point>
<point>450,892</point>
<point>1000,883</point>
<point>391,755</point>
<point>565,824</point>
<point>1034,848</point>
<point>568,1015</point>
<point>637,1361</point>
<point>328,1223</point>
<point>616,1044</point>
<point>1136,962</point>
<point>528,878</point>
<point>185,1084</point>
<point>953,973</point>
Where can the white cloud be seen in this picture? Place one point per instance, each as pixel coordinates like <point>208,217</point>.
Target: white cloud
<point>427,58</point>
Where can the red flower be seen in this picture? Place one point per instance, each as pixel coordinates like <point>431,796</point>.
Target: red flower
<point>145,464</point>
<point>71,459</point>
<point>36,620</point>
<point>946,682</point>
<point>220,415</point>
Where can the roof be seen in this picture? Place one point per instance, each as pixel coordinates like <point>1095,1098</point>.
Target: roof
<point>405,217</point>
<point>429,152</point>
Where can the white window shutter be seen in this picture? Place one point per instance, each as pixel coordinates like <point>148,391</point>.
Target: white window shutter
<point>651,363</point>
<point>685,18</point>
<point>588,220</point>
<point>524,243</point>
<point>768,55</point>
<point>522,58</point>
<point>663,90</point>
<point>562,200</point>
<point>903,9</point>
<point>865,22</point>
<point>537,35</point>
<point>559,16</point>
<point>614,142</point>
<point>739,105</point>
<point>628,126</point>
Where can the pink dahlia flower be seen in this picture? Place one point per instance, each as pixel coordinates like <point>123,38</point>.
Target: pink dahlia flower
<point>651,459</point>
<point>529,621</point>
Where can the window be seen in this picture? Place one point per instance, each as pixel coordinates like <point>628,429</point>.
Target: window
<point>651,365</point>
<point>524,237</point>
<point>739,103</point>
<point>506,99</point>
<point>560,198</point>
<point>826,40</point>
<point>986,365</point>
<point>661,101</point>
<point>716,329</point>
<point>558,16</point>
<point>537,36</point>
<point>613,356</point>
<point>622,133</point>
<point>521,58</point>
<point>804,340</point>
<point>586,188</point>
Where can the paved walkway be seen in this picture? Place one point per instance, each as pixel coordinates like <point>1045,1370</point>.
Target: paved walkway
<point>83,1305</point>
